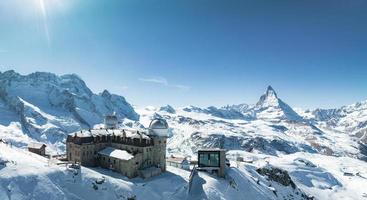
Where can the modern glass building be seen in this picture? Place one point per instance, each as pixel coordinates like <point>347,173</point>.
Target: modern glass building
<point>212,160</point>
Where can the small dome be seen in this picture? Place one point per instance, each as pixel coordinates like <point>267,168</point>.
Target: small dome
<point>158,127</point>
<point>158,124</point>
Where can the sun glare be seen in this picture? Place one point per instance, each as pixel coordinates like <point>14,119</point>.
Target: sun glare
<point>43,10</point>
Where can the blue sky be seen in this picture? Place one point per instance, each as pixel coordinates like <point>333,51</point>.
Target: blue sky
<point>195,52</point>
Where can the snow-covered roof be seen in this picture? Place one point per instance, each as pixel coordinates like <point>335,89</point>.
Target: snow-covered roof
<point>118,132</point>
<point>35,145</point>
<point>116,153</point>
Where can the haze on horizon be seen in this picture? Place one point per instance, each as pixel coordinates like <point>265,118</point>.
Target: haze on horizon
<point>194,52</point>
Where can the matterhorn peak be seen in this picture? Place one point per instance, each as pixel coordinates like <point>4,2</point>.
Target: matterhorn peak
<point>270,98</point>
<point>270,106</point>
<point>271,92</point>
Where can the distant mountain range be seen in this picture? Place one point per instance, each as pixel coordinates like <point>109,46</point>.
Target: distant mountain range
<point>270,126</point>
<point>45,107</point>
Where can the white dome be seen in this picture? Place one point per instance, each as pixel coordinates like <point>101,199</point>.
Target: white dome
<point>158,127</point>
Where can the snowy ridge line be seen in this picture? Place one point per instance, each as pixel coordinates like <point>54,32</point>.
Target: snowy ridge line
<point>47,107</point>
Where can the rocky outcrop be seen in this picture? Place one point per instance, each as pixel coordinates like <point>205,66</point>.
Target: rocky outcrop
<point>277,175</point>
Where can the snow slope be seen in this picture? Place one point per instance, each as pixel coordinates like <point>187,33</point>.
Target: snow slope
<point>24,175</point>
<point>324,177</point>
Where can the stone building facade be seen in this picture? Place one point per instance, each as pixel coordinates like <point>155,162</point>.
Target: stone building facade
<point>129,152</point>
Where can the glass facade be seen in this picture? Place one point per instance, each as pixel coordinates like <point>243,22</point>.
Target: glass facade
<point>208,159</point>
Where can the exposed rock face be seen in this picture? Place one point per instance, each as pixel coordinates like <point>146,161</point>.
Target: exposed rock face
<point>277,175</point>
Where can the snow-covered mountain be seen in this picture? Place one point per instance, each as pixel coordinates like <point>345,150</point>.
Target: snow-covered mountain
<point>321,149</point>
<point>270,126</point>
<point>46,107</point>
<point>351,118</point>
<point>350,121</point>
<point>271,107</point>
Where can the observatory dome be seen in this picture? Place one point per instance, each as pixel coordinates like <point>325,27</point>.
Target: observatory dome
<point>158,127</point>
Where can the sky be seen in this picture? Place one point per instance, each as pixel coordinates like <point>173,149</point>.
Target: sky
<point>195,52</point>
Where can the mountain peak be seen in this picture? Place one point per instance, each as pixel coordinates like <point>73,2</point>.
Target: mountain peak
<point>168,108</point>
<point>106,94</point>
<point>270,106</point>
<point>271,92</point>
<point>270,98</point>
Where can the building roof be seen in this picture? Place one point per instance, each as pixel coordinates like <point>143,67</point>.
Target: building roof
<point>118,132</point>
<point>116,153</point>
<point>213,149</point>
<point>35,145</point>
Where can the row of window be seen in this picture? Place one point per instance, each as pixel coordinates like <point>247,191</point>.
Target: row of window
<point>120,139</point>
<point>209,159</point>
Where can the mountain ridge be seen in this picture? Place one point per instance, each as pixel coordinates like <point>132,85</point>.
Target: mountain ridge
<point>50,106</point>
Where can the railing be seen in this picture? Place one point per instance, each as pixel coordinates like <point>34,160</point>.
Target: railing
<point>193,173</point>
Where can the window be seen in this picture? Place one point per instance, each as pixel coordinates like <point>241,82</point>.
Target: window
<point>208,159</point>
